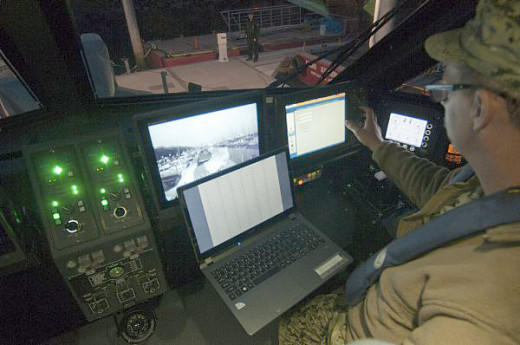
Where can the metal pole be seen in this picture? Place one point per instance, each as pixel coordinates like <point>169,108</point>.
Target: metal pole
<point>3,110</point>
<point>164,82</point>
<point>229,21</point>
<point>133,30</point>
<point>127,66</point>
<point>377,8</point>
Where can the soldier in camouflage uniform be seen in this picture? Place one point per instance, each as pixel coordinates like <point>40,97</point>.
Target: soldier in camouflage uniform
<point>466,292</point>
<point>252,33</point>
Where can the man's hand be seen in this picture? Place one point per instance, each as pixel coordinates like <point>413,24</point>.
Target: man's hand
<point>370,134</point>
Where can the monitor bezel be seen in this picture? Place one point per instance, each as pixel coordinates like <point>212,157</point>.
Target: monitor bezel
<point>237,240</point>
<point>142,121</point>
<point>419,108</point>
<point>316,159</point>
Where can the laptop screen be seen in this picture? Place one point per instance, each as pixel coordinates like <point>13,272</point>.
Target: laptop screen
<point>226,206</point>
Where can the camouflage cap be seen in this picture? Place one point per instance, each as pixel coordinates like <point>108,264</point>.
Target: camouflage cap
<point>489,43</point>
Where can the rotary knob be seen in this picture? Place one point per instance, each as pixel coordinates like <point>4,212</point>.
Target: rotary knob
<point>120,212</point>
<point>72,226</point>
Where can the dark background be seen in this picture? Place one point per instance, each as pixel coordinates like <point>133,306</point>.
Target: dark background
<point>157,19</point>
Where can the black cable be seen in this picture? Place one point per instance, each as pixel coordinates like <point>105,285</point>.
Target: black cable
<point>347,53</point>
<point>344,51</point>
<point>343,55</point>
<point>359,40</point>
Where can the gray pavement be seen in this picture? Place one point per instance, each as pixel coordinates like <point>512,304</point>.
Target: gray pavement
<point>213,75</point>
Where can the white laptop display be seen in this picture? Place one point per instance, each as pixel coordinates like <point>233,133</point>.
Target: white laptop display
<point>261,256</point>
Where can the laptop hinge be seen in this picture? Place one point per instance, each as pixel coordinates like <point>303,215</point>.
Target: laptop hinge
<point>207,262</point>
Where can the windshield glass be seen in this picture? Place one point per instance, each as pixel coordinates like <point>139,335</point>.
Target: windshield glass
<point>15,97</point>
<point>136,47</point>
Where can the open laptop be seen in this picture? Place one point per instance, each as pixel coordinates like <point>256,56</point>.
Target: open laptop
<point>260,255</point>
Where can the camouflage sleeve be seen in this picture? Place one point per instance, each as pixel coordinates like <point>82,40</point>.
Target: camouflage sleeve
<point>416,177</point>
<point>455,330</point>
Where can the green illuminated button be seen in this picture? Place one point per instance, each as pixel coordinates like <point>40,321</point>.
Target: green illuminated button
<point>102,190</point>
<point>57,170</point>
<point>57,218</point>
<point>116,272</point>
<point>54,204</point>
<point>74,189</point>
<point>104,159</point>
<point>104,204</point>
<point>120,178</point>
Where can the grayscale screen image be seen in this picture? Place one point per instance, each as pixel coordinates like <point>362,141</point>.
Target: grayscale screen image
<point>191,148</point>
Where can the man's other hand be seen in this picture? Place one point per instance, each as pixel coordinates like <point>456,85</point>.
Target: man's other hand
<point>370,133</point>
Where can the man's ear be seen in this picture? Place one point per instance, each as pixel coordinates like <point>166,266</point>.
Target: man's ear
<point>482,109</point>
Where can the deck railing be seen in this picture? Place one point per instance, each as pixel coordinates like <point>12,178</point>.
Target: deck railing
<point>268,17</point>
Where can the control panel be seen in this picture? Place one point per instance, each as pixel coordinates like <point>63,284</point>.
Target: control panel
<point>95,222</point>
<point>66,208</point>
<point>115,275</point>
<point>114,192</point>
<point>10,250</point>
<point>411,133</point>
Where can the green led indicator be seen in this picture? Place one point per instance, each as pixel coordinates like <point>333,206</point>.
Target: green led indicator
<point>17,218</point>
<point>120,178</point>
<point>57,170</point>
<point>104,202</point>
<point>54,204</point>
<point>56,216</point>
<point>104,159</point>
<point>116,272</point>
<point>75,189</point>
<point>102,190</point>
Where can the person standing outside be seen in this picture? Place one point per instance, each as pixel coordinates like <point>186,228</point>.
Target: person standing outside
<point>252,33</point>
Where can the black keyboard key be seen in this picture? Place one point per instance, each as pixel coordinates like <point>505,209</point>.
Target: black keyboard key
<point>266,275</point>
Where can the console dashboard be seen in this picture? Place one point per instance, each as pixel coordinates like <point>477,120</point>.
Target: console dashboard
<point>99,187</point>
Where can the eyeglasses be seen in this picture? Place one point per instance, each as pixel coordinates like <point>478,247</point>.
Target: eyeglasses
<point>439,92</point>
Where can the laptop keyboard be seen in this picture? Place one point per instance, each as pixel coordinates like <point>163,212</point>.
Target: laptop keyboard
<point>259,263</point>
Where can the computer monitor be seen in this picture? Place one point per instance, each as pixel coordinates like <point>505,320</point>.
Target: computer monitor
<point>315,124</point>
<point>312,124</point>
<point>185,143</point>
